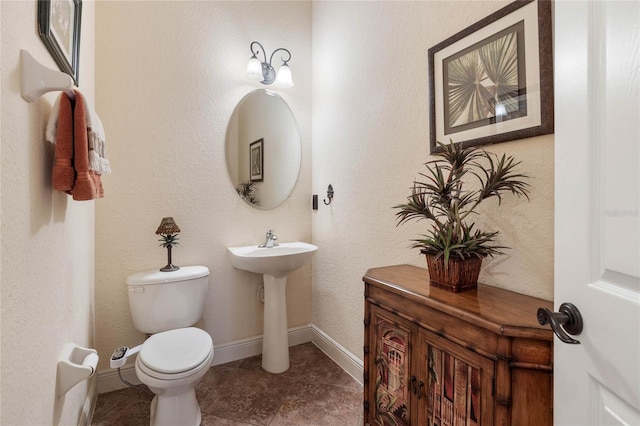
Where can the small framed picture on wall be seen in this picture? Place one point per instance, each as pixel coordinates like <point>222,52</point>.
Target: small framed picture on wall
<point>59,28</point>
<point>256,158</point>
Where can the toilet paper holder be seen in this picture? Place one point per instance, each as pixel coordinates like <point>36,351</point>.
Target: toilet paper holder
<point>74,365</point>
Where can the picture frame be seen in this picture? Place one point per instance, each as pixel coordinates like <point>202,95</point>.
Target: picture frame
<point>493,81</point>
<point>256,161</point>
<point>59,28</point>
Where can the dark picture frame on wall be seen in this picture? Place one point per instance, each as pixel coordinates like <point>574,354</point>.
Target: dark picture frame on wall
<point>59,28</point>
<point>493,81</point>
<point>256,158</point>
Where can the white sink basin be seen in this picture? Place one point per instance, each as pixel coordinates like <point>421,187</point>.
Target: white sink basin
<point>276,261</point>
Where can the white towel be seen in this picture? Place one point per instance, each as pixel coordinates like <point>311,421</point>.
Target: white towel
<point>52,124</point>
<point>95,135</point>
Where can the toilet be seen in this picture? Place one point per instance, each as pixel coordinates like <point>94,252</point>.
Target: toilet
<point>173,360</point>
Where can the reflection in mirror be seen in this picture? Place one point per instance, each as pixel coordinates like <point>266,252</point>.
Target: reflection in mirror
<point>263,149</point>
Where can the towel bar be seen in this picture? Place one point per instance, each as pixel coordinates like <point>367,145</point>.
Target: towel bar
<point>38,79</point>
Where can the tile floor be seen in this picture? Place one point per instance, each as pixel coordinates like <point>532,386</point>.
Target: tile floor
<point>314,391</point>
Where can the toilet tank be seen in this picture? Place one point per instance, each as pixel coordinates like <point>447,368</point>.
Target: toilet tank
<point>161,301</point>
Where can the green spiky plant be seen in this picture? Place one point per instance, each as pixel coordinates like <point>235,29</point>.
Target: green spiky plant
<point>446,197</point>
<point>245,190</point>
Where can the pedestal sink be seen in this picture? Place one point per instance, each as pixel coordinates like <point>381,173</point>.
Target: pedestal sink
<point>274,263</point>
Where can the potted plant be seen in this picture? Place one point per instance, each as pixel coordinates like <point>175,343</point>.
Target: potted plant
<point>245,190</point>
<point>455,184</point>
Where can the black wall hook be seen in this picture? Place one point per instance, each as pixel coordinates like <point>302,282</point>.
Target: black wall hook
<point>329,195</point>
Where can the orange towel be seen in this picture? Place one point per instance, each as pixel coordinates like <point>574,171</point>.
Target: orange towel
<point>63,173</point>
<point>88,185</point>
<point>71,172</point>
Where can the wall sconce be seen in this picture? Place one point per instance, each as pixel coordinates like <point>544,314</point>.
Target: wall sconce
<point>169,231</point>
<point>264,71</point>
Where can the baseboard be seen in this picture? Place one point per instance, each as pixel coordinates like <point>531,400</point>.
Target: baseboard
<point>345,359</point>
<point>252,346</point>
<point>89,403</point>
<point>108,380</point>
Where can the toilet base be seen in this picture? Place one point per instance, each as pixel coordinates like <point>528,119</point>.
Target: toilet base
<point>164,413</point>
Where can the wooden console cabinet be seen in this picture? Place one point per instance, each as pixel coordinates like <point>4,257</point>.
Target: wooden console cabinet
<point>437,358</point>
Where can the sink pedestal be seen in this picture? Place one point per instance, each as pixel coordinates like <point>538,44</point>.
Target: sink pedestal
<point>275,344</point>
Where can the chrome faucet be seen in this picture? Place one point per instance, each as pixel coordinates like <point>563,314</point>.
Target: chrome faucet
<point>271,240</point>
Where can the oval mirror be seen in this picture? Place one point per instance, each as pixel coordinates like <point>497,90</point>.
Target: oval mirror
<point>262,149</point>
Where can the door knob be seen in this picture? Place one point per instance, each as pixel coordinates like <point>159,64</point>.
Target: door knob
<point>568,320</point>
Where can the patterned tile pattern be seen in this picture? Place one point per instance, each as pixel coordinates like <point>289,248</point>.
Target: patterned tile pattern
<point>314,391</point>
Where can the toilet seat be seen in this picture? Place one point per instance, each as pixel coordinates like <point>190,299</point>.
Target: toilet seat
<point>174,354</point>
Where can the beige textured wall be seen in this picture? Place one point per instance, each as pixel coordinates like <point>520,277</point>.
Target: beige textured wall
<point>47,238</point>
<point>370,140</point>
<point>168,77</point>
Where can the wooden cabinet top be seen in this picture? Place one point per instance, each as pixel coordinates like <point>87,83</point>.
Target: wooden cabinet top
<point>501,311</point>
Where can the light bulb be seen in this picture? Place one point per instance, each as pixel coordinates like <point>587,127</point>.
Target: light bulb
<point>284,78</point>
<point>254,69</point>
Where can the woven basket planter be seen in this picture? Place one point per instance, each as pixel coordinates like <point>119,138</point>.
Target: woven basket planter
<point>458,276</point>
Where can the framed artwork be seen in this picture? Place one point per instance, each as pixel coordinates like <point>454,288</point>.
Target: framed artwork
<point>256,158</point>
<point>493,81</point>
<point>59,28</point>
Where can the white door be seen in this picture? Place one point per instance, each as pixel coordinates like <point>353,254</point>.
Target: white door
<point>597,202</point>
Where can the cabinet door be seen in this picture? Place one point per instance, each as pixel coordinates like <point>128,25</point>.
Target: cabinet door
<point>389,368</point>
<point>459,384</point>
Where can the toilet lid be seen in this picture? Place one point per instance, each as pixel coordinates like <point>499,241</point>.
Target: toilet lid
<point>177,350</point>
